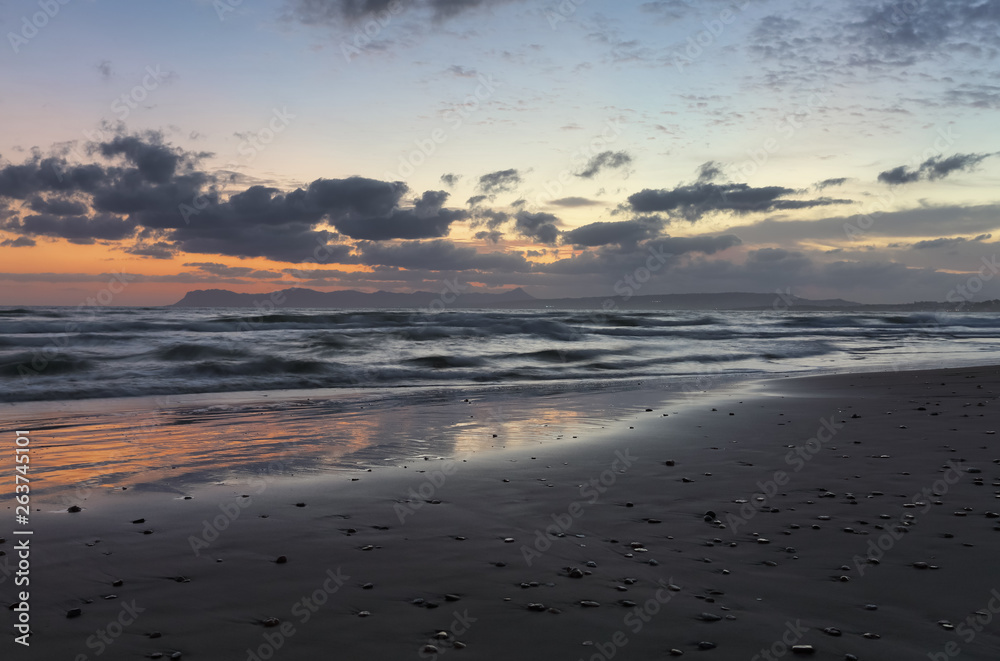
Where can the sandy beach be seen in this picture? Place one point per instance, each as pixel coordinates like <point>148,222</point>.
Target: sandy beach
<point>837,517</point>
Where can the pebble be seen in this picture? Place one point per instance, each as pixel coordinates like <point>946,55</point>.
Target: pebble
<point>706,645</point>
<point>803,649</point>
<point>74,508</point>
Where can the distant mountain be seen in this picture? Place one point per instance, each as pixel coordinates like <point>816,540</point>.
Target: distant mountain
<point>310,298</point>
<point>515,299</point>
<point>726,301</point>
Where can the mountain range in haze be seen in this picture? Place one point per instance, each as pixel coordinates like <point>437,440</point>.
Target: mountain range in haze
<point>519,299</point>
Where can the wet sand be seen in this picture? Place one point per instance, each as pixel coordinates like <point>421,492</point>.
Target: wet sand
<point>855,514</point>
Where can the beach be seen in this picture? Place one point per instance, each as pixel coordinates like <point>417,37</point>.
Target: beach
<point>827,516</point>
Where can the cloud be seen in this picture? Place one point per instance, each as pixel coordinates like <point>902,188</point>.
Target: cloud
<point>606,160</point>
<point>827,183</point>
<point>336,12</point>
<point>948,243</point>
<point>622,232</point>
<point>439,255</point>
<point>157,250</point>
<point>461,72</point>
<point>157,189</point>
<point>490,236</point>
<point>709,171</point>
<point>232,271</point>
<point>574,202</point>
<point>539,226</point>
<point>450,180</point>
<point>501,181</point>
<point>933,168</point>
<point>19,242</point>
<point>104,68</point>
<point>81,230</point>
<point>693,201</point>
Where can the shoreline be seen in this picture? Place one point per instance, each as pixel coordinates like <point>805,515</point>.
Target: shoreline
<point>398,528</point>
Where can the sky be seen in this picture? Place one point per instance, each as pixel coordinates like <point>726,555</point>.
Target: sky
<point>825,149</point>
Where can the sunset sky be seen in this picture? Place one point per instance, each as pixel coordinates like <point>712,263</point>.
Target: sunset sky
<point>833,148</point>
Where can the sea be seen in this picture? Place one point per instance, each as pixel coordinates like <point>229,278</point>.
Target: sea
<point>69,353</point>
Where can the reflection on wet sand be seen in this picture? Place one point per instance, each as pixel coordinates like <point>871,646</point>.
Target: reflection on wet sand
<point>175,448</point>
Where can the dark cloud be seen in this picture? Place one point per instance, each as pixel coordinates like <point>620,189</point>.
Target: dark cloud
<point>157,190</point>
<point>827,183</point>
<point>57,206</point>
<point>622,232</point>
<point>491,218</point>
<point>490,237</point>
<point>476,200</point>
<point>439,255</point>
<point>232,271</point>
<point>155,162</point>
<point>502,181</point>
<point>709,171</point>
<point>606,160</point>
<point>158,250</point>
<point>75,229</point>
<point>574,202</point>
<point>933,168</point>
<point>450,180</point>
<point>948,242</point>
<point>335,12</point>
<point>19,242</point>
<point>539,226</point>
<point>104,68</point>
<point>692,202</point>
<point>401,224</point>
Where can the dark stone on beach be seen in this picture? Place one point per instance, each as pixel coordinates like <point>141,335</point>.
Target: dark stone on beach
<point>538,608</point>
<point>139,521</point>
<point>706,645</point>
<point>803,649</point>
<point>74,508</point>
<point>576,572</point>
<point>587,603</point>
<point>271,622</point>
<point>74,612</point>
<point>300,504</point>
<point>368,586</point>
<point>676,652</point>
<point>921,565</point>
<point>452,597</point>
<point>709,617</point>
<point>833,631</point>
<point>669,462</point>
<point>281,559</point>
<point>118,583</point>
